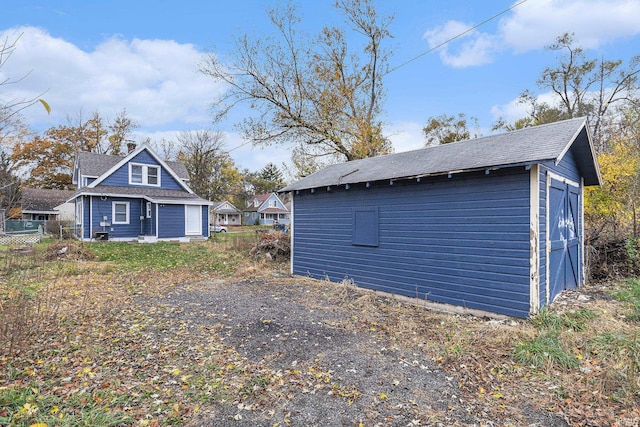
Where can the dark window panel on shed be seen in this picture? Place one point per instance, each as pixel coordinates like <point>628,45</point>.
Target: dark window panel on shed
<point>365,227</point>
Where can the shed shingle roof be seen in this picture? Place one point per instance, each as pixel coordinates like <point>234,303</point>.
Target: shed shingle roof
<point>531,145</point>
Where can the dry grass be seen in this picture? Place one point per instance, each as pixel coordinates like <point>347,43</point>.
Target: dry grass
<point>581,357</point>
<point>46,307</point>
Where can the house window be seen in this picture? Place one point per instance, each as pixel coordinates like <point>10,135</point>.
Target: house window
<point>365,227</point>
<point>120,212</point>
<point>144,174</point>
<point>79,211</point>
<point>148,209</point>
<point>273,204</point>
<point>152,175</point>
<point>136,174</point>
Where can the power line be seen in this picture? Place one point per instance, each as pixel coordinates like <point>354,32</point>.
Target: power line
<point>455,37</point>
<point>239,146</point>
<point>430,50</point>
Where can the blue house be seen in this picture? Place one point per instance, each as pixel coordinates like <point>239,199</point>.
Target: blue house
<point>493,224</point>
<point>138,196</point>
<point>266,209</point>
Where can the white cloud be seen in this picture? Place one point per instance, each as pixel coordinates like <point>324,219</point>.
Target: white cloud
<point>509,112</point>
<point>157,81</point>
<point>513,110</point>
<point>406,136</point>
<point>473,49</point>
<point>536,24</point>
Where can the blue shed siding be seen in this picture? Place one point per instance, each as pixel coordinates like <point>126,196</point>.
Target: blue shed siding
<point>120,178</point>
<point>171,221</point>
<point>461,241</point>
<point>542,236</point>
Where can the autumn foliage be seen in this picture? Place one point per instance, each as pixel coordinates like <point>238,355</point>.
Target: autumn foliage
<point>611,211</point>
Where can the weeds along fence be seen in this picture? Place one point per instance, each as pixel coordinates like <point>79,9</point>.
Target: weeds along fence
<point>241,242</point>
<point>234,241</point>
<point>29,303</point>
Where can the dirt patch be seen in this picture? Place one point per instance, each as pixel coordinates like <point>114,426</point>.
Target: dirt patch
<point>337,365</point>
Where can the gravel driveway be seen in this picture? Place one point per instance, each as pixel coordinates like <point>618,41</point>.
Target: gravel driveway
<point>336,370</point>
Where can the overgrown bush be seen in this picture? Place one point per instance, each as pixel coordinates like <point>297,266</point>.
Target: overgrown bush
<point>274,245</point>
<point>609,258</point>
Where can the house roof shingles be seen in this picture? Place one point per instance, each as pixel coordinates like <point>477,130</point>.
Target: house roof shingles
<point>43,200</point>
<point>525,146</point>
<point>93,164</point>
<point>157,194</point>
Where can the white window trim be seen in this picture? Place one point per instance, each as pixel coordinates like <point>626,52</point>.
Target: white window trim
<point>79,212</point>
<point>145,174</point>
<point>149,210</point>
<point>113,212</point>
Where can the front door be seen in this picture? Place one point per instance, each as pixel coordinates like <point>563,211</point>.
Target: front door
<point>193,217</point>
<point>564,237</point>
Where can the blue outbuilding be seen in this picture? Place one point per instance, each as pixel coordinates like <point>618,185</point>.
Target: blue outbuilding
<point>493,224</point>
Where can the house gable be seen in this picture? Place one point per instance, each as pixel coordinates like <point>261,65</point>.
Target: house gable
<point>272,202</point>
<point>121,177</point>
<point>118,174</point>
<point>225,207</point>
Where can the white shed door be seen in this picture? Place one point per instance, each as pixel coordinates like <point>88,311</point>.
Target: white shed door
<point>193,220</point>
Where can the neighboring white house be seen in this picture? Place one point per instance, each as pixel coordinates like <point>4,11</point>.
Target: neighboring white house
<point>66,211</point>
<point>47,205</point>
<point>225,213</point>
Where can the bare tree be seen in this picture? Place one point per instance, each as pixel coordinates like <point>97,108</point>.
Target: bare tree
<point>319,94</point>
<point>10,107</point>
<point>583,87</point>
<point>212,173</point>
<point>121,129</point>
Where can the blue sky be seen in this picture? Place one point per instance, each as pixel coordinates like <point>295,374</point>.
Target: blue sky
<point>143,56</point>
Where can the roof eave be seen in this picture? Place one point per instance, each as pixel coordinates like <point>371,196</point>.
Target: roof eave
<point>525,164</point>
<point>35,211</point>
